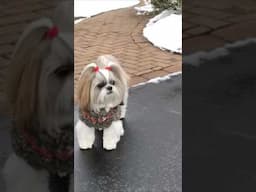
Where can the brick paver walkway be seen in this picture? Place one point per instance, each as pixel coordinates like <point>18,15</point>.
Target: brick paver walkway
<point>209,24</point>
<point>119,33</point>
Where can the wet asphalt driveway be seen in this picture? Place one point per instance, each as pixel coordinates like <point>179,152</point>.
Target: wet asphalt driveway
<point>218,121</point>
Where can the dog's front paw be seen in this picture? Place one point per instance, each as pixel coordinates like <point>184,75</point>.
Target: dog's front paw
<point>109,144</point>
<point>85,136</point>
<point>86,143</point>
<point>112,135</point>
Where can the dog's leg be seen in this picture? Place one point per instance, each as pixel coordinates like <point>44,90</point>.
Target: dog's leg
<point>123,106</point>
<point>112,134</point>
<point>123,111</point>
<point>85,135</point>
<point>20,176</point>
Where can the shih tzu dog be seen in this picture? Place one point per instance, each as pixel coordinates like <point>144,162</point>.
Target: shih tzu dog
<point>40,91</point>
<point>102,93</point>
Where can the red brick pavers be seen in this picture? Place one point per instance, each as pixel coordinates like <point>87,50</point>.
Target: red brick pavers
<point>210,24</point>
<point>119,33</point>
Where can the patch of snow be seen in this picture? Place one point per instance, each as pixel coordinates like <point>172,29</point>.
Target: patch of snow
<point>241,43</point>
<point>161,15</point>
<point>88,8</point>
<point>165,31</point>
<point>159,79</point>
<point>148,8</point>
<point>193,59</point>
<point>196,58</point>
<point>79,20</point>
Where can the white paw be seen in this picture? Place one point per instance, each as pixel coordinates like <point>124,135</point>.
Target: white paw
<point>112,134</point>
<point>110,144</point>
<point>85,135</point>
<point>86,143</point>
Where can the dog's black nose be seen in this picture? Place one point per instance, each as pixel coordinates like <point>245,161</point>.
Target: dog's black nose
<point>109,88</point>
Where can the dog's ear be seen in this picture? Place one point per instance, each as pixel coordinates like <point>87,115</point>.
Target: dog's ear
<point>117,69</point>
<point>24,70</point>
<point>84,86</point>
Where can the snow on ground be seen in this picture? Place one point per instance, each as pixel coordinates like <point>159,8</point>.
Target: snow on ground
<point>157,80</point>
<point>141,10</point>
<point>88,8</point>
<point>165,31</point>
<point>195,59</point>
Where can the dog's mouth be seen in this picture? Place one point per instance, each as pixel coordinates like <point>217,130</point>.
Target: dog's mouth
<point>109,92</point>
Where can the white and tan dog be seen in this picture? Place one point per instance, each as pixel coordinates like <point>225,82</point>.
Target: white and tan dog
<point>40,91</point>
<point>102,94</point>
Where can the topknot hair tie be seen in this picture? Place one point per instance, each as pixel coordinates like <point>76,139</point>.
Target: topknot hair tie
<point>108,68</point>
<point>96,69</point>
<point>52,33</point>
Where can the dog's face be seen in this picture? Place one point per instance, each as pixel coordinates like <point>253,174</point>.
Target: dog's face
<point>102,84</point>
<point>106,91</point>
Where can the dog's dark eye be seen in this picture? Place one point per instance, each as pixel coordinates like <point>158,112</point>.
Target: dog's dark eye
<point>102,84</point>
<point>63,71</point>
<point>112,82</point>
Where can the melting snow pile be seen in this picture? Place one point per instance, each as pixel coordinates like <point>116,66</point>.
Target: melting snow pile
<point>87,8</point>
<point>159,79</point>
<point>141,10</point>
<point>165,31</point>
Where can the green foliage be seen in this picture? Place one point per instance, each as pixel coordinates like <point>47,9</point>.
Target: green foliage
<point>161,5</point>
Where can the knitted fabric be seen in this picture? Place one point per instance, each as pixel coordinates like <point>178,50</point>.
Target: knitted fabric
<point>42,151</point>
<point>102,119</point>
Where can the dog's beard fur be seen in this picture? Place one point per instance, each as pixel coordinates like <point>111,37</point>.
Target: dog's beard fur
<point>100,97</point>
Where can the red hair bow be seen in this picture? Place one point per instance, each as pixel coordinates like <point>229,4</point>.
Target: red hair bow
<point>52,33</point>
<point>108,68</point>
<point>96,69</point>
